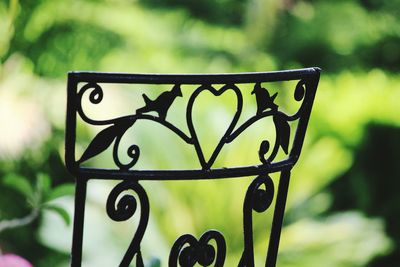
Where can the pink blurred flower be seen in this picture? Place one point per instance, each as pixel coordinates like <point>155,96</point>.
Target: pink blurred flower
<point>12,260</point>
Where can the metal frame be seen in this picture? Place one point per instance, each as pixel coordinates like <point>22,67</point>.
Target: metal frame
<point>187,250</point>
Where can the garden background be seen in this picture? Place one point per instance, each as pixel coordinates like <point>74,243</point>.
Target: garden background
<point>344,205</point>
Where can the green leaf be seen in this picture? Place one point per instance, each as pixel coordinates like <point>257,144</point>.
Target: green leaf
<point>60,191</point>
<point>43,183</point>
<point>154,262</point>
<point>19,183</point>
<point>60,211</point>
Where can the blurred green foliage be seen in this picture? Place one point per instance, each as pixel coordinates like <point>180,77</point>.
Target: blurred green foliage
<point>343,205</point>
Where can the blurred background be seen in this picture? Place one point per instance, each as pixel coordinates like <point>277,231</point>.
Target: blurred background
<point>343,208</point>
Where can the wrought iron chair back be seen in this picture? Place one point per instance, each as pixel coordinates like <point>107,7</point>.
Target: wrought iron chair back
<point>289,131</point>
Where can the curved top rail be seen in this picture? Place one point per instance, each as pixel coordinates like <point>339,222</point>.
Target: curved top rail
<point>214,78</point>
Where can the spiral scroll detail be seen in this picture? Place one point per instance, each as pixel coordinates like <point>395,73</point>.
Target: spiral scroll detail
<point>125,208</point>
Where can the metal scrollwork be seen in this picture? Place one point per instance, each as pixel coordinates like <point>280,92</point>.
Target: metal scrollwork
<point>125,208</point>
<point>187,251</point>
<point>128,199</point>
<point>266,107</point>
<point>110,134</point>
<point>258,199</point>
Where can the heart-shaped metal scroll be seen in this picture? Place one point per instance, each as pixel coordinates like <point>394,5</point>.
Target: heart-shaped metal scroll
<point>206,164</point>
<point>187,251</point>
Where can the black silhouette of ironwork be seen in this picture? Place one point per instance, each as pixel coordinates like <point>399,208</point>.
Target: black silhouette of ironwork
<point>187,250</point>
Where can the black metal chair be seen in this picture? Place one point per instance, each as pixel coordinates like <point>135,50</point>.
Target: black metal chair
<point>289,131</point>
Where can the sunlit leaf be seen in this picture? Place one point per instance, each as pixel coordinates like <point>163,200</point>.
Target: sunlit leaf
<point>60,211</point>
<point>18,183</point>
<point>43,183</point>
<point>154,262</point>
<point>60,191</point>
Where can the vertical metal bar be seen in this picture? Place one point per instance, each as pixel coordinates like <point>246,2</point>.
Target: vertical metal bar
<point>278,218</point>
<point>70,129</point>
<point>80,198</point>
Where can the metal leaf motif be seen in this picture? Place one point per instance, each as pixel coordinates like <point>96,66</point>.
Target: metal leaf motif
<point>103,140</point>
<point>283,131</point>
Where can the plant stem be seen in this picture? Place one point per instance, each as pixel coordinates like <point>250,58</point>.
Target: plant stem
<point>14,223</point>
